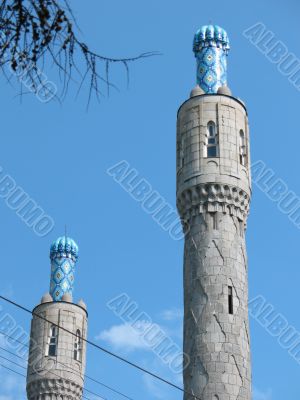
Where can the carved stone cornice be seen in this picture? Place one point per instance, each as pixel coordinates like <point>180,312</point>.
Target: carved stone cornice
<point>54,389</point>
<point>213,197</point>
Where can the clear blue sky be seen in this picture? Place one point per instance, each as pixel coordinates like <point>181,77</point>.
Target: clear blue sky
<point>59,154</point>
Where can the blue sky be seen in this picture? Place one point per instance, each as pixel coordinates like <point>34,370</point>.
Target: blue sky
<point>59,155</point>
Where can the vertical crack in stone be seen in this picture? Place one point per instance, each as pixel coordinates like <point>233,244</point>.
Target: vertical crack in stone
<point>194,317</point>
<point>247,333</point>
<point>192,392</point>
<point>238,369</point>
<point>244,257</point>
<point>198,375</point>
<point>201,299</point>
<point>235,224</point>
<point>202,377</point>
<point>219,251</point>
<point>244,342</point>
<point>194,243</point>
<point>237,296</point>
<point>219,323</point>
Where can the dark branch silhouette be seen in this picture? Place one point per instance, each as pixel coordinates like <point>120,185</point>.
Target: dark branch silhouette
<point>36,32</point>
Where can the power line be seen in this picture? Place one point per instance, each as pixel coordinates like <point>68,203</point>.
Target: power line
<point>53,373</point>
<point>103,349</point>
<point>11,353</point>
<point>24,376</point>
<point>12,370</point>
<point>13,362</point>
<point>76,372</point>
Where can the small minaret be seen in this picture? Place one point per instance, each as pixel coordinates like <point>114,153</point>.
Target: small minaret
<point>213,196</point>
<point>57,358</point>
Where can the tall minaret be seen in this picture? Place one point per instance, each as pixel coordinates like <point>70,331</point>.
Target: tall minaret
<point>57,358</point>
<point>213,195</point>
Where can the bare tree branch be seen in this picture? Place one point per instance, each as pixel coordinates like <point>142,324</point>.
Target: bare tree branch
<point>33,32</point>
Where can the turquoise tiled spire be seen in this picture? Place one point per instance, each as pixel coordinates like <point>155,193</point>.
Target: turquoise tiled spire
<point>211,46</point>
<point>63,255</point>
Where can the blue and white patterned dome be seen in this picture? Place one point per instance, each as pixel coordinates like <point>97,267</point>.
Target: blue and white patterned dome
<point>211,35</point>
<point>64,246</point>
<point>211,46</point>
<point>63,255</point>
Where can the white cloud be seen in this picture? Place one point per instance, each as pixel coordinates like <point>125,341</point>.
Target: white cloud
<point>172,314</point>
<point>124,337</point>
<point>260,395</point>
<point>130,338</point>
<point>127,338</point>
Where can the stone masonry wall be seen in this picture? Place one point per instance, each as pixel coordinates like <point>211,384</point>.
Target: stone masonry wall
<point>213,196</point>
<point>56,377</point>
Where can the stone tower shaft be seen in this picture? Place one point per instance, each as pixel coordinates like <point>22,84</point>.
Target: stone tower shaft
<point>55,370</point>
<point>213,195</point>
<point>57,353</point>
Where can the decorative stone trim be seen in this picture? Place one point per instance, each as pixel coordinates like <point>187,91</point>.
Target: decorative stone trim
<point>213,197</point>
<point>45,389</point>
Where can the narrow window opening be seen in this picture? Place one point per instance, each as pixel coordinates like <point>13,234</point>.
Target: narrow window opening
<point>212,140</point>
<point>243,150</point>
<point>182,152</point>
<point>52,342</point>
<point>230,300</point>
<point>78,346</point>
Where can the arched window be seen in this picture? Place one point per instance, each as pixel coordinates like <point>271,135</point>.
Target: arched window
<point>212,144</point>
<point>52,341</point>
<point>78,346</point>
<point>243,149</point>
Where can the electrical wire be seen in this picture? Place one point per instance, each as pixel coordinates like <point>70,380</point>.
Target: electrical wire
<point>24,376</point>
<point>21,366</point>
<point>66,365</point>
<point>126,361</point>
